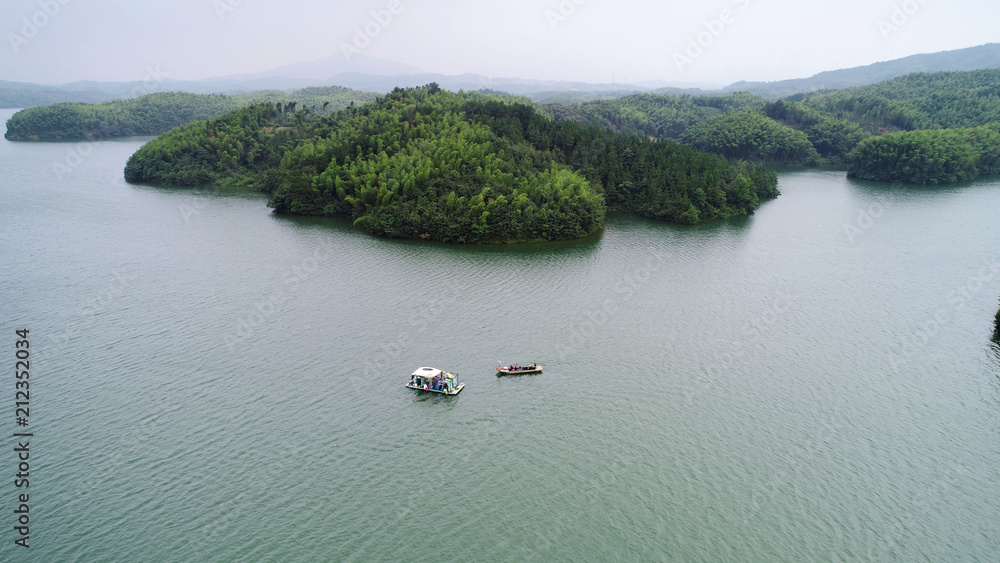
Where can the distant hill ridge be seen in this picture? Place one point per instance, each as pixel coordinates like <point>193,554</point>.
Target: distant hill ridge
<point>371,74</point>
<point>973,58</point>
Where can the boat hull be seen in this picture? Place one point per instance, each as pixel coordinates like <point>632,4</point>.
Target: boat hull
<point>454,391</point>
<point>501,372</point>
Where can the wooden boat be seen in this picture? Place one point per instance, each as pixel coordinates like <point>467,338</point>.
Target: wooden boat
<point>434,380</point>
<point>518,369</point>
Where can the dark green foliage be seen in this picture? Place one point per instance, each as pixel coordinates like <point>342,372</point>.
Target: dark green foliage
<point>697,121</point>
<point>652,115</point>
<point>945,119</point>
<point>833,138</point>
<point>153,114</point>
<point>833,122</point>
<point>412,166</point>
<point>657,179</point>
<point>750,135</point>
<point>996,327</point>
<point>452,167</point>
<point>243,147</point>
<point>147,115</point>
<point>941,100</point>
<point>940,156</point>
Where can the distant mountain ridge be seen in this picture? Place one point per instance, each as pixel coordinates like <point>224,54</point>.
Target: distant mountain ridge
<point>380,75</point>
<point>973,58</point>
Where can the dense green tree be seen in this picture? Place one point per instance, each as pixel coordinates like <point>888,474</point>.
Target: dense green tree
<point>658,179</point>
<point>652,115</point>
<point>834,122</point>
<point>996,327</point>
<point>452,167</point>
<point>938,156</point>
<point>833,138</point>
<point>940,100</point>
<point>153,114</point>
<point>750,135</point>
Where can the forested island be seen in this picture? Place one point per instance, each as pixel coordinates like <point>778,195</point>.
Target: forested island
<point>955,112</point>
<point>157,113</point>
<point>739,125</point>
<point>929,157</point>
<point>951,119</point>
<point>466,167</point>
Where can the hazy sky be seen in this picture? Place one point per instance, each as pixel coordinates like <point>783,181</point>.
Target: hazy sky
<point>714,41</point>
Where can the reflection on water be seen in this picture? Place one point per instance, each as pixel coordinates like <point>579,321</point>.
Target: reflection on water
<point>735,390</point>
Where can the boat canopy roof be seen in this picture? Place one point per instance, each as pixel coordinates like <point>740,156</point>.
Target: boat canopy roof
<point>427,372</point>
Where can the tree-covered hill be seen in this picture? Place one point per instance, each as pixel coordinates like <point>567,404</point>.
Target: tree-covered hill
<point>971,58</point>
<point>744,126</point>
<point>147,115</point>
<point>653,115</point>
<point>941,100</point>
<point>749,134</point>
<point>770,133</point>
<point>929,157</point>
<point>157,113</point>
<point>426,163</point>
<point>832,138</point>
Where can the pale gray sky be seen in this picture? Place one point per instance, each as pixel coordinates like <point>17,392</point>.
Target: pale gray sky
<point>58,41</point>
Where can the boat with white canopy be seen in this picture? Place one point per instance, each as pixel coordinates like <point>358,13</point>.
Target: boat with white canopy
<point>434,380</point>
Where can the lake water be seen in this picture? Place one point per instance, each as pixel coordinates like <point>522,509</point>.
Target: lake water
<point>212,382</point>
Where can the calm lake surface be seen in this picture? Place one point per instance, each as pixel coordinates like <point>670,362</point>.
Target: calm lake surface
<point>212,382</point>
